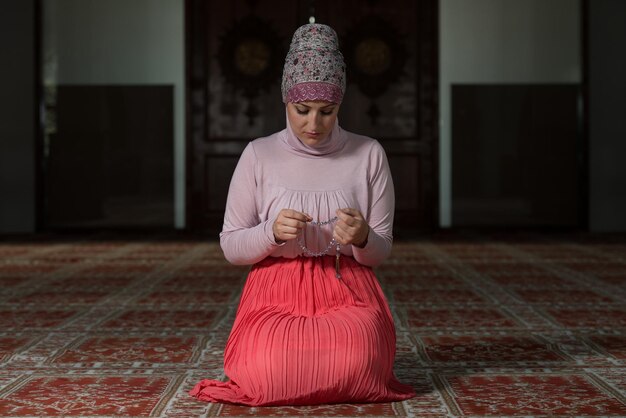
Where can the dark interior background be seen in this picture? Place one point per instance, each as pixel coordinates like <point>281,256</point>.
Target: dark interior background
<point>594,198</point>
<point>517,156</point>
<point>110,158</point>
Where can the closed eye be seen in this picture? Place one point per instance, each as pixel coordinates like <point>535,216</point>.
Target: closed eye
<point>306,111</point>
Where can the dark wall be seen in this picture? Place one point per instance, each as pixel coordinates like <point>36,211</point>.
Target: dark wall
<point>515,153</point>
<point>607,114</point>
<point>17,116</point>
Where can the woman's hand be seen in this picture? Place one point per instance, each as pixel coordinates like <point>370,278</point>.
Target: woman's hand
<point>351,228</point>
<point>288,224</point>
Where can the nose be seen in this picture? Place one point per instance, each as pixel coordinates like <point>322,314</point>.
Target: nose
<point>315,120</point>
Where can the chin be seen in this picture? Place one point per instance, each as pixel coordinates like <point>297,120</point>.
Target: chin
<point>313,141</point>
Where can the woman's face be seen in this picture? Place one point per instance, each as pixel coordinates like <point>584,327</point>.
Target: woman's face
<point>312,121</point>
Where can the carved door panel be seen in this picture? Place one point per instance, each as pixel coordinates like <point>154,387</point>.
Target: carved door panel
<point>235,54</point>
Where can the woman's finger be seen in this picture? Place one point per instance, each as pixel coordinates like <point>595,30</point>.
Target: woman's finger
<point>338,235</point>
<point>351,228</point>
<point>288,224</point>
<point>294,214</point>
<point>347,214</point>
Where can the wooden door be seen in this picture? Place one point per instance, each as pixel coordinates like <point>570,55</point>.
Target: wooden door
<point>235,54</point>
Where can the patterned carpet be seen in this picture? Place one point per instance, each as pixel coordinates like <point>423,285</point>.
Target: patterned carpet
<point>499,326</point>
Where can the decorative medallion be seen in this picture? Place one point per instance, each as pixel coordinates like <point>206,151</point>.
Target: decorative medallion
<point>375,57</point>
<point>250,56</point>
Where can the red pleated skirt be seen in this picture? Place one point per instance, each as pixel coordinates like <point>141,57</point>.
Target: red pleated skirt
<point>303,337</point>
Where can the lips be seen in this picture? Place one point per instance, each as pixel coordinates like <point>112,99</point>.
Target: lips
<point>312,134</point>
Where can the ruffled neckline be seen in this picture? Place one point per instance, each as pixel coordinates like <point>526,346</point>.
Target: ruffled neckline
<point>331,145</point>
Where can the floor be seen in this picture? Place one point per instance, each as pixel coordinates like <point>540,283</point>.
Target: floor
<point>518,325</point>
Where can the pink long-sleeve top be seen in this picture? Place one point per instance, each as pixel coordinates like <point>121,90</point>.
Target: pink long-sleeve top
<point>280,172</point>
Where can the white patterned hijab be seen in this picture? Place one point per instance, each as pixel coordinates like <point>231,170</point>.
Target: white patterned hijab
<point>314,66</point>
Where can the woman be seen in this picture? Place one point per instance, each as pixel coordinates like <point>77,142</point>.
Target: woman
<point>311,208</point>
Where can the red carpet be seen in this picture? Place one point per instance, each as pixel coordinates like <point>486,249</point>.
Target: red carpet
<point>508,326</point>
